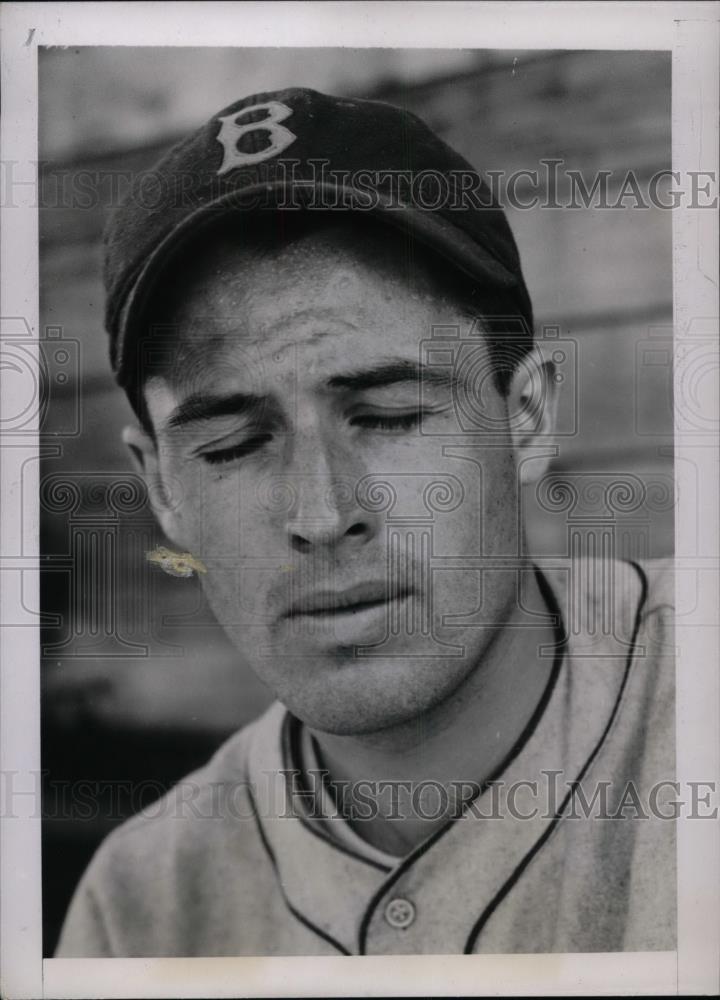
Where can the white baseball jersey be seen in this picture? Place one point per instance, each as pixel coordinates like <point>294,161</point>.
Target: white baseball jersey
<point>229,864</point>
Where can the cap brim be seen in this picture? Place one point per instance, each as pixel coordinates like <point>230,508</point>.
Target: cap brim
<point>428,227</point>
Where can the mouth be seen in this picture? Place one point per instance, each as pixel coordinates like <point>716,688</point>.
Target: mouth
<point>351,601</point>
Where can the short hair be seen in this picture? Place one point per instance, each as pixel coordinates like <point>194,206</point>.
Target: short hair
<point>268,233</point>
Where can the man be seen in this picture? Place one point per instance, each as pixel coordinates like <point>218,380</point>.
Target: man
<point>320,319</point>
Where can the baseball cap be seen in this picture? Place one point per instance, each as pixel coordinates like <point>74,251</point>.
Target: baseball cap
<point>298,149</point>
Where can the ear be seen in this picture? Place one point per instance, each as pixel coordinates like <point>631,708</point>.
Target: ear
<point>163,500</point>
<point>532,412</point>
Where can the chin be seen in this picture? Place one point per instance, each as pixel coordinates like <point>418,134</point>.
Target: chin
<point>352,696</point>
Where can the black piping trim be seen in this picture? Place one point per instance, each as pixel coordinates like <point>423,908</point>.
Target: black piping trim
<point>525,735</point>
<point>290,736</point>
<point>296,913</point>
<point>513,879</point>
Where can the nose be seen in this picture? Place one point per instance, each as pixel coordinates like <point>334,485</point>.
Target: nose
<point>324,510</point>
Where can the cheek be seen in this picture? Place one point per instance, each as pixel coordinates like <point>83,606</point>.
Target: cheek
<point>216,513</point>
<point>237,531</point>
<point>470,500</point>
<point>242,555</point>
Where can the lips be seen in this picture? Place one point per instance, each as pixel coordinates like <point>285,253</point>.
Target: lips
<point>353,599</point>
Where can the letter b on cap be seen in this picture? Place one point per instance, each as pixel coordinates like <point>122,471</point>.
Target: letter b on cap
<point>232,130</point>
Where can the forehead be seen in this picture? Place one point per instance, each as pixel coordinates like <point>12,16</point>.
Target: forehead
<point>340,292</point>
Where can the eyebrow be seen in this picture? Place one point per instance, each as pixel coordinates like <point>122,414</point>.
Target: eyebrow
<point>204,406</point>
<point>391,373</point>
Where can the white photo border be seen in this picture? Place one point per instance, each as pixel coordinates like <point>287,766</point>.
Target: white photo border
<point>690,31</point>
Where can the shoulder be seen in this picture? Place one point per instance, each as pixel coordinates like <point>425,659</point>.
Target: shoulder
<point>659,581</point>
<point>631,595</point>
<point>655,638</point>
<point>618,616</point>
<point>638,588</point>
<point>655,631</point>
<point>190,819</point>
<point>198,806</point>
<point>648,710</point>
<point>184,848</point>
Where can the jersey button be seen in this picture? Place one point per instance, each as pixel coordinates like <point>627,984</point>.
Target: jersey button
<point>400,913</point>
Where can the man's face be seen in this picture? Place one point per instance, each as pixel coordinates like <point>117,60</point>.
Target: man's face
<point>318,468</point>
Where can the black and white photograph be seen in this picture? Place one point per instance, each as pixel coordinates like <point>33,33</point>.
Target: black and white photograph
<point>365,432</point>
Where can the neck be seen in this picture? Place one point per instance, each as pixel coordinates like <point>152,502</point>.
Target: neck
<point>458,744</point>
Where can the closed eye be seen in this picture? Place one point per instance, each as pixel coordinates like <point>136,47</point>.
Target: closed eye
<point>239,450</point>
<point>387,421</point>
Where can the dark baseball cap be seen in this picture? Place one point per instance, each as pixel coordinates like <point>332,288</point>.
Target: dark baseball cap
<point>298,149</point>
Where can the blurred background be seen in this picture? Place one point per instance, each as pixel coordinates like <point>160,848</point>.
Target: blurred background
<point>139,684</point>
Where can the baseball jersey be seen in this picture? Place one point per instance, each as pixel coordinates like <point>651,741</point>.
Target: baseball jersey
<point>572,849</point>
